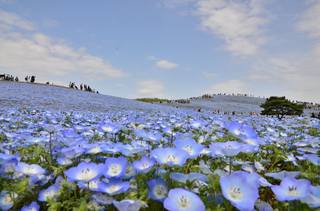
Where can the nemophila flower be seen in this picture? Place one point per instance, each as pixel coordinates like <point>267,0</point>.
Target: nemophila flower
<point>93,185</point>
<point>313,158</point>
<point>102,198</point>
<point>7,200</point>
<point>93,149</point>
<point>249,131</point>
<point>8,157</point>
<point>263,206</point>
<point>157,189</point>
<point>183,178</point>
<point>115,167</point>
<point>241,189</point>
<point>128,205</point>
<point>313,199</point>
<point>109,127</point>
<point>49,193</point>
<point>34,206</point>
<point>183,200</point>
<point>115,187</point>
<point>63,161</point>
<point>229,148</point>
<point>259,167</point>
<point>85,172</point>
<point>190,146</point>
<point>283,174</point>
<point>144,165</point>
<point>234,127</point>
<point>291,189</point>
<point>196,124</point>
<point>30,169</point>
<point>170,156</point>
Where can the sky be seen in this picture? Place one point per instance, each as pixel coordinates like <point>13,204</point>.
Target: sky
<point>166,48</point>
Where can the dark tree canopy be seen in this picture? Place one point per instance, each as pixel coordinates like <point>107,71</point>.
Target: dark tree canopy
<point>280,106</point>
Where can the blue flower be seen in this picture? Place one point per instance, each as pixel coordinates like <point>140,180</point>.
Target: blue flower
<point>190,146</point>
<point>93,185</point>
<point>283,174</point>
<point>115,167</point>
<point>85,172</point>
<point>32,169</point>
<point>292,189</point>
<point>6,200</point>
<point>158,189</point>
<point>115,187</point>
<point>64,161</point>
<point>34,206</point>
<point>181,199</point>
<point>144,165</point>
<point>241,189</point>
<point>229,148</point>
<point>313,199</point>
<point>183,178</point>
<point>49,193</point>
<point>170,156</point>
<point>128,205</point>
<point>109,127</point>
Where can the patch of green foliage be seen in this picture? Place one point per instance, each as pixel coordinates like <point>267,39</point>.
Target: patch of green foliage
<point>280,107</point>
<point>153,100</point>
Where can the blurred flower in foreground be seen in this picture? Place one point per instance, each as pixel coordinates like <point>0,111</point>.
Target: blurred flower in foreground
<point>241,189</point>
<point>291,189</point>
<point>181,199</point>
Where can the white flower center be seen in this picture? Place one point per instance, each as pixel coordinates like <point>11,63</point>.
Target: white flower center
<point>235,193</point>
<point>113,188</point>
<point>49,194</point>
<point>183,201</point>
<point>160,191</point>
<point>87,174</point>
<point>292,191</point>
<point>114,170</point>
<point>93,184</point>
<point>171,158</point>
<point>145,165</point>
<point>30,170</point>
<point>188,149</point>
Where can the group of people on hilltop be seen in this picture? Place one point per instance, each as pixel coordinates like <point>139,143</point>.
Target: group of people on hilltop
<point>82,87</point>
<point>7,77</point>
<point>31,79</point>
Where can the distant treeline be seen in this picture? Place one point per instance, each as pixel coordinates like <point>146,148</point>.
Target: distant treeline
<point>159,100</point>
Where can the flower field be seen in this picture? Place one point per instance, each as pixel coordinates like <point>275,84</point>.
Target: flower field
<point>179,160</point>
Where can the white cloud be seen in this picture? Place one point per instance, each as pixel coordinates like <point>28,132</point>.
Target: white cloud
<point>239,23</point>
<point>165,64</point>
<point>27,51</point>
<point>150,88</point>
<point>310,20</point>
<point>296,76</point>
<point>9,21</point>
<point>229,86</point>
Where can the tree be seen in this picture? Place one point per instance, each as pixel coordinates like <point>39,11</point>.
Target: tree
<point>280,106</point>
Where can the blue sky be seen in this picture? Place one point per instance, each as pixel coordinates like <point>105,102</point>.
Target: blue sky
<point>166,48</point>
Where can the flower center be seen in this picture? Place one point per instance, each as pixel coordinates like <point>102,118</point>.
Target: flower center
<point>86,174</point>
<point>183,201</point>
<point>171,158</point>
<point>30,170</point>
<point>293,191</point>
<point>188,149</point>
<point>113,188</point>
<point>114,169</point>
<point>235,193</point>
<point>160,191</point>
